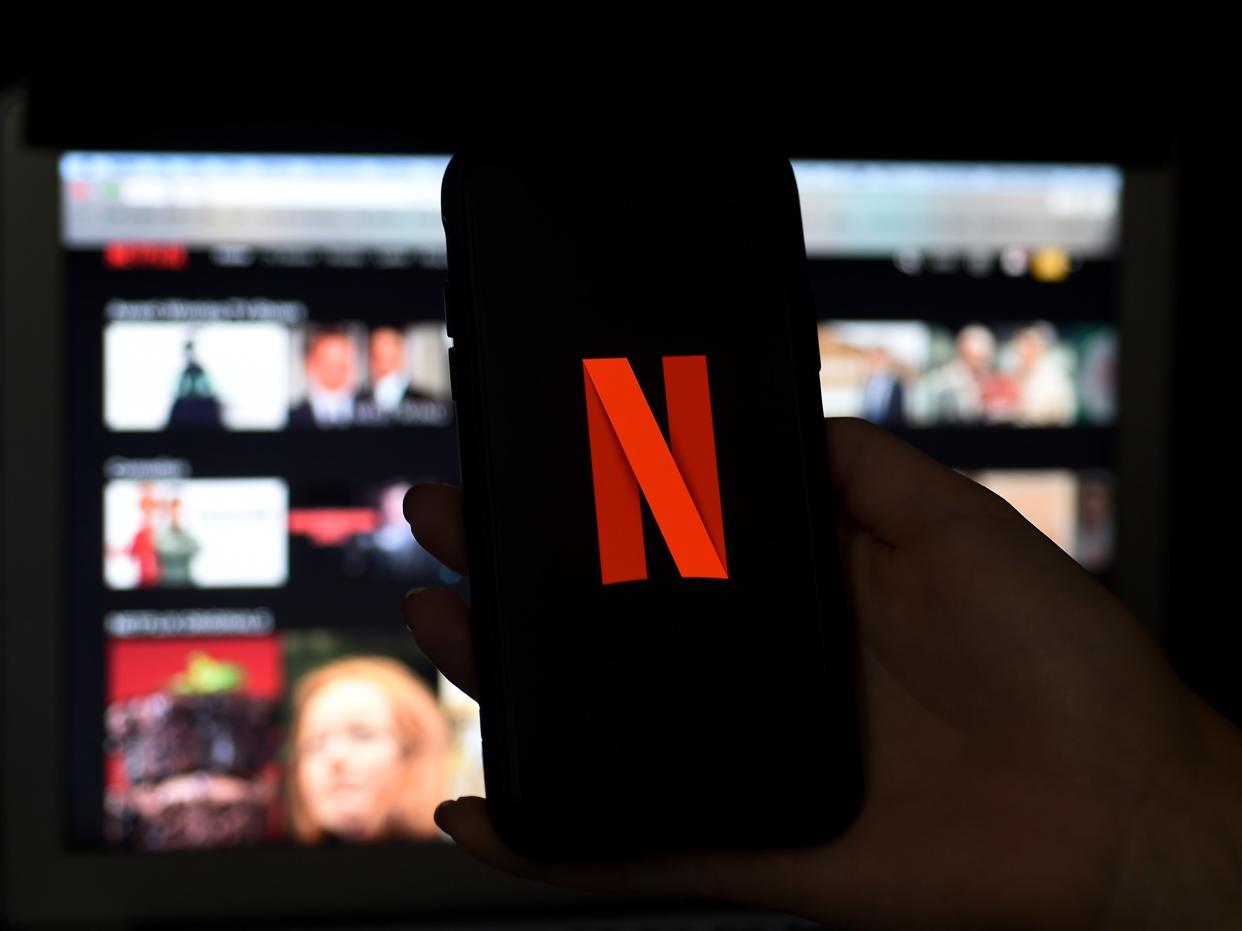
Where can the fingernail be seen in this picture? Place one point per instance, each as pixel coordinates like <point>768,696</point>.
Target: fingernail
<point>440,812</point>
<point>413,591</point>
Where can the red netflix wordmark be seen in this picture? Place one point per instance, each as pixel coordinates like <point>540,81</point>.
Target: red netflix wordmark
<point>678,478</point>
<point>146,255</point>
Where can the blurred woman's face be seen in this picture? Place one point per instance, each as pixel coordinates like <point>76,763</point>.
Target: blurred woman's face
<point>350,758</point>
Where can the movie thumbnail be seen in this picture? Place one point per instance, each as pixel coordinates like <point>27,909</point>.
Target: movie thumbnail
<point>346,376</point>
<point>172,376</point>
<point>196,533</point>
<point>909,373</point>
<point>360,534</point>
<point>371,751</point>
<point>262,375</point>
<point>193,734</point>
<point>312,736</point>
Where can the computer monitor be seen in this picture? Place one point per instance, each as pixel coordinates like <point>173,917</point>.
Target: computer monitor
<point>223,370</point>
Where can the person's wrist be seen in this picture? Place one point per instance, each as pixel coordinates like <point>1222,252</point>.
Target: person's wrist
<point>1181,862</point>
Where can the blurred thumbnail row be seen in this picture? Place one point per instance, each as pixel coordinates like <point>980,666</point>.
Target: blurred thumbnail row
<point>910,373</point>
<point>305,736</point>
<point>237,533</point>
<point>273,376</point>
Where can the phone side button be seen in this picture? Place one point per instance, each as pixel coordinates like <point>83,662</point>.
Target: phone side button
<point>448,310</point>
<point>454,375</point>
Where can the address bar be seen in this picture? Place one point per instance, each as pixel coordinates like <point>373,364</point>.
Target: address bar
<point>275,193</point>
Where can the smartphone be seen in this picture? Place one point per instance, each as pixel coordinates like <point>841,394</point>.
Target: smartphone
<point>661,633</point>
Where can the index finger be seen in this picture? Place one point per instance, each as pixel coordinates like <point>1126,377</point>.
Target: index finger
<point>435,516</point>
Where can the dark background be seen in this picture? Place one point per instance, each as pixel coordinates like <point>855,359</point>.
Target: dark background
<point>1115,121</point>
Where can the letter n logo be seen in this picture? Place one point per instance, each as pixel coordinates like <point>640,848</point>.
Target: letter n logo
<point>678,478</point>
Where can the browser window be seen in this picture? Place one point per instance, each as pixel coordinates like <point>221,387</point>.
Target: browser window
<point>259,371</point>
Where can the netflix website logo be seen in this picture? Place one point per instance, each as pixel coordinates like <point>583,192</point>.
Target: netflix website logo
<point>161,256</point>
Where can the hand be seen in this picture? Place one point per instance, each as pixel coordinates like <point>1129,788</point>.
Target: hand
<point>1031,760</point>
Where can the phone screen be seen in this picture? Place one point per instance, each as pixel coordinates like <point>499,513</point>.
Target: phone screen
<point>664,589</point>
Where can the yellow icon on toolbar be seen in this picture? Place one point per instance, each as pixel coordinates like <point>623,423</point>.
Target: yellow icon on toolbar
<point>1050,264</point>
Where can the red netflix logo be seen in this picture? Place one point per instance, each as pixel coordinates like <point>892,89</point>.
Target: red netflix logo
<point>677,478</point>
<point>126,255</point>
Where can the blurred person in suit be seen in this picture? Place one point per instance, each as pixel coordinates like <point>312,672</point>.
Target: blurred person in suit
<point>883,395</point>
<point>330,382</point>
<point>390,392</point>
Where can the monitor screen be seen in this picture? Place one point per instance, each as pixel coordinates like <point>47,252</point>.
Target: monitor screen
<point>258,371</point>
